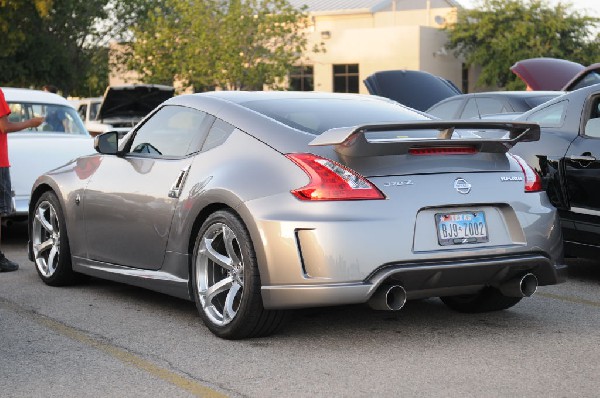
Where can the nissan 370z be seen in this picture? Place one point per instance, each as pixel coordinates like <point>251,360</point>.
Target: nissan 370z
<point>252,204</point>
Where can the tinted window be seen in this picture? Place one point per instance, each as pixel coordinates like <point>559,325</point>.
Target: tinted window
<point>58,118</point>
<point>446,110</point>
<point>550,116</point>
<point>588,80</point>
<point>170,132</point>
<point>315,115</point>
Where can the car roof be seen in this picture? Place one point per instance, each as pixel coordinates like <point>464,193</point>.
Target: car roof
<point>33,96</point>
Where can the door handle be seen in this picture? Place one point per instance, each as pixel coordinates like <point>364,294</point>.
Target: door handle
<point>177,186</point>
<point>582,158</point>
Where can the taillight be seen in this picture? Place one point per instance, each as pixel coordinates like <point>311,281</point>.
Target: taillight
<point>533,181</point>
<point>330,180</point>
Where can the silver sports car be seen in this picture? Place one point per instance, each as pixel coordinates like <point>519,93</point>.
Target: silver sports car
<point>254,203</point>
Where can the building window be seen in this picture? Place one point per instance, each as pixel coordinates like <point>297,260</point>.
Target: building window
<point>345,78</point>
<point>302,78</point>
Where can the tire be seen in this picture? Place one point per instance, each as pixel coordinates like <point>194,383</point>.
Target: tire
<point>487,300</point>
<point>226,282</point>
<point>50,244</point>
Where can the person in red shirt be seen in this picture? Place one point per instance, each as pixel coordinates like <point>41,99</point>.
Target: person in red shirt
<point>6,126</point>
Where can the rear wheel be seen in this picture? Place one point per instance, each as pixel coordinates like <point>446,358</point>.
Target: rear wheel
<point>226,281</point>
<point>488,299</point>
<point>49,241</point>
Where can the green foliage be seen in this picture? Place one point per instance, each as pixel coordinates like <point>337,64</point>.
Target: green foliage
<point>215,43</point>
<point>499,33</point>
<point>61,42</point>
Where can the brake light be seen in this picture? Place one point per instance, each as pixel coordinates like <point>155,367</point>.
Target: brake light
<point>428,151</point>
<point>330,180</point>
<point>533,181</point>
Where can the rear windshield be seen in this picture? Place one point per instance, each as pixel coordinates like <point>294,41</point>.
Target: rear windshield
<point>316,115</point>
<point>57,118</point>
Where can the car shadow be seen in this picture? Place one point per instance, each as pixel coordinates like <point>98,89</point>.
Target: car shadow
<point>584,269</point>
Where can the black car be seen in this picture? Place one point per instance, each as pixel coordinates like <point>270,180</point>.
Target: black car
<point>568,159</point>
<point>478,105</point>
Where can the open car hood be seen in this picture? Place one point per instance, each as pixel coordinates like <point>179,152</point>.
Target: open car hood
<point>416,89</point>
<point>550,74</point>
<point>133,100</point>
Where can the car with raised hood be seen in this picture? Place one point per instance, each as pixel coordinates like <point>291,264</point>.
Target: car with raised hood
<point>32,152</point>
<point>441,98</point>
<point>252,204</point>
<point>556,74</point>
<point>122,107</point>
<point>568,158</point>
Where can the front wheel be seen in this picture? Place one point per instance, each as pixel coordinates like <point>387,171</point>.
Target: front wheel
<point>50,243</point>
<point>487,300</point>
<point>226,281</point>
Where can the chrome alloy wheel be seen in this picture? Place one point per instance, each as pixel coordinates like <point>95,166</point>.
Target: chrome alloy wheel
<point>220,274</point>
<point>46,239</point>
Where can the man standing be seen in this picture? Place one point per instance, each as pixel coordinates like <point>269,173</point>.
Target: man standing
<point>6,126</point>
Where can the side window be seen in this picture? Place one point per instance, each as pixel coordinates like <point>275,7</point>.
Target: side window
<point>447,110</point>
<point>550,116</point>
<point>592,127</point>
<point>170,132</point>
<point>471,111</point>
<point>219,132</point>
<point>490,106</point>
<point>82,111</point>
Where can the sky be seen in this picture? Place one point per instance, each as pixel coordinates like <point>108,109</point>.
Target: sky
<point>587,7</point>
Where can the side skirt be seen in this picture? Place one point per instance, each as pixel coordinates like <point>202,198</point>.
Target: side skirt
<point>159,281</point>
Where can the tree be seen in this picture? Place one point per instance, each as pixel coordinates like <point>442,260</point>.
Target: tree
<point>499,33</point>
<point>236,44</point>
<point>61,42</point>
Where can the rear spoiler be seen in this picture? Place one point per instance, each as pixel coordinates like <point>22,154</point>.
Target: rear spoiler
<point>351,141</point>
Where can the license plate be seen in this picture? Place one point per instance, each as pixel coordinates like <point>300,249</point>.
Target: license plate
<point>461,227</point>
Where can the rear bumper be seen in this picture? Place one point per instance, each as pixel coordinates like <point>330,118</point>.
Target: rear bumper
<point>420,280</point>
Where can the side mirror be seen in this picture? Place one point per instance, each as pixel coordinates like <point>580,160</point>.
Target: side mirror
<point>592,128</point>
<point>107,143</point>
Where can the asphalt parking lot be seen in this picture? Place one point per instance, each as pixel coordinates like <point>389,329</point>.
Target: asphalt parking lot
<point>102,338</point>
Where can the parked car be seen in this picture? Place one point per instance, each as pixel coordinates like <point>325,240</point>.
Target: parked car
<point>439,97</point>
<point>480,105</point>
<point>416,89</point>
<point>254,203</point>
<point>61,138</point>
<point>568,158</point>
<point>88,109</point>
<point>122,107</point>
<point>556,74</point>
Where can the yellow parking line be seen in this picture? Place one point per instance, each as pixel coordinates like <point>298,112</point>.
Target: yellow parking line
<point>124,356</point>
<point>570,299</point>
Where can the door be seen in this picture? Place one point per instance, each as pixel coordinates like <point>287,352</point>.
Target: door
<point>130,200</point>
<point>582,174</point>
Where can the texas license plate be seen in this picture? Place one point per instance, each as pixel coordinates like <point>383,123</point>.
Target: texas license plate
<point>460,228</point>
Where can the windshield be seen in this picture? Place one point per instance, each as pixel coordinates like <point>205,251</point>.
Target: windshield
<point>315,115</point>
<point>58,118</point>
<point>590,79</point>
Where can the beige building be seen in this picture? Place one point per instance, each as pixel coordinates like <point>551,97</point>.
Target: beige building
<point>361,37</point>
<point>365,36</point>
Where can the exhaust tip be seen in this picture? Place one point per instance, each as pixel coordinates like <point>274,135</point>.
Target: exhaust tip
<point>388,298</point>
<point>529,284</point>
<point>525,286</point>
